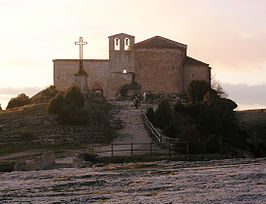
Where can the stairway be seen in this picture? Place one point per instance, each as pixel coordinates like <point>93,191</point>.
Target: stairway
<point>132,135</point>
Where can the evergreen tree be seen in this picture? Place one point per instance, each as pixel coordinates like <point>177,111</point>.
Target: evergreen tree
<point>198,89</point>
<point>20,100</point>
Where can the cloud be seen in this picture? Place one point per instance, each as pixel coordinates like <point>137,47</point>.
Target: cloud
<point>245,94</point>
<point>11,91</point>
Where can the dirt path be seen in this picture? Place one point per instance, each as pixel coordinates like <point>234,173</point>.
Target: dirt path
<point>21,154</point>
<point>132,132</point>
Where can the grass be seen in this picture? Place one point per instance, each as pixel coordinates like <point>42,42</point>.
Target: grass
<point>29,138</point>
<point>13,148</point>
<point>255,123</point>
<point>25,111</point>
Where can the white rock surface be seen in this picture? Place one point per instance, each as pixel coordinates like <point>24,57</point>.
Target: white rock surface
<point>224,181</point>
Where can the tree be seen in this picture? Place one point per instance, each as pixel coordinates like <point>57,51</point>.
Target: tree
<point>150,114</point>
<point>74,97</point>
<point>0,107</point>
<point>45,94</point>
<point>163,114</point>
<point>218,88</point>
<point>56,104</point>
<point>198,89</point>
<point>20,100</point>
<point>69,109</point>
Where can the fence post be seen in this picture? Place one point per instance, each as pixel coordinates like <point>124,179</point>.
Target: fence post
<point>112,149</point>
<point>151,147</point>
<point>187,148</point>
<point>132,149</point>
<point>169,149</point>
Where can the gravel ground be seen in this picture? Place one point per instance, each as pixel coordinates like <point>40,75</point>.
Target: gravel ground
<point>223,181</point>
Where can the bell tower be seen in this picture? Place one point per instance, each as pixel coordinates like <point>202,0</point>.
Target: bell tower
<point>121,53</point>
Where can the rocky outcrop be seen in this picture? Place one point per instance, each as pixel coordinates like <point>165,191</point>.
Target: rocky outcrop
<point>83,160</point>
<point>39,163</point>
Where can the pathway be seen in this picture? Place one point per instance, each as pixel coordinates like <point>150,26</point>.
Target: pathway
<point>133,132</point>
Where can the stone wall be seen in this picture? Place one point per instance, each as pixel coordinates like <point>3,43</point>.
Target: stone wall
<point>115,82</point>
<point>64,70</point>
<point>160,70</point>
<point>196,72</point>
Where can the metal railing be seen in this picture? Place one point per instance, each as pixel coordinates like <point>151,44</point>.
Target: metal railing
<point>132,149</point>
<point>156,136</point>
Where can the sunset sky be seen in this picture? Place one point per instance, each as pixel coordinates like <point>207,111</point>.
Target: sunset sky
<point>230,35</point>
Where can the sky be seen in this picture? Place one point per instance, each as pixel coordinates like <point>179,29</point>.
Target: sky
<point>230,35</point>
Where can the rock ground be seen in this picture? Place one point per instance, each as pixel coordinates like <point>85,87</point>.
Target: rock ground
<point>224,181</point>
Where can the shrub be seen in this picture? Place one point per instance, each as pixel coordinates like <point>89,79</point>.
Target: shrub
<point>150,114</point>
<point>124,90</point>
<point>190,134</point>
<point>212,144</point>
<point>45,94</point>
<point>20,100</point>
<point>179,108</point>
<point>163,114</point>
<point>197,89</point>
<point>69,109</point>
<point>170,130</point>
<point>56,104</point>
<point>74,97</point>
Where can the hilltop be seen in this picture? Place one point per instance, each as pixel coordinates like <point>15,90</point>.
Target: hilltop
<point>29,130</point>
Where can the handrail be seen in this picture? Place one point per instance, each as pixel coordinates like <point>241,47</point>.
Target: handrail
<point>158,136</point>
<point>154,132</point>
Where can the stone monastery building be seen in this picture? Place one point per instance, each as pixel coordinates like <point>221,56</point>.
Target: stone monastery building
<point>157,65</point>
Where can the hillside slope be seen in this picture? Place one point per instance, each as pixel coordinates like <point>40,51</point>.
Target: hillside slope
<point>30,128</point>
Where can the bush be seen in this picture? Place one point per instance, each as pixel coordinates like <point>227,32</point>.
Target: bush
<point>20,100</point>
<point>190,134</point>
<point>212,144</point>
<point>179,108</point>
<point>124,90</point>
<point>69,108</point>
<point>197,89</point>
<point>170,130</point>
<point>163,114</point>
<point>56,104</point>
<point>74,97</point>
<point>150,114</point>
<point>45,94</point>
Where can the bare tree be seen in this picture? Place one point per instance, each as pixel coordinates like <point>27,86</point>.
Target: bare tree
<point>215,84</point>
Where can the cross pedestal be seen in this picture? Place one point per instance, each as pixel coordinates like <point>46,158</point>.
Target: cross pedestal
<point>81,75</point>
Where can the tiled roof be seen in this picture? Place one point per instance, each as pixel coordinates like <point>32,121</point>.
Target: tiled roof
<point>84,60</point>
<point>119,34</point>
<point>159,42</point>
<point>191,61</point>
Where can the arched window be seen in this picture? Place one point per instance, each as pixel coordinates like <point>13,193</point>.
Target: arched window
<point>127,44</point>
<point>117,44</point>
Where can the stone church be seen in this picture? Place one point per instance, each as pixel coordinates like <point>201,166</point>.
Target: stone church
<point>157,65</point>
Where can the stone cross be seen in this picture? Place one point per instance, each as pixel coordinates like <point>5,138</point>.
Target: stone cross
<point>81,43</point>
